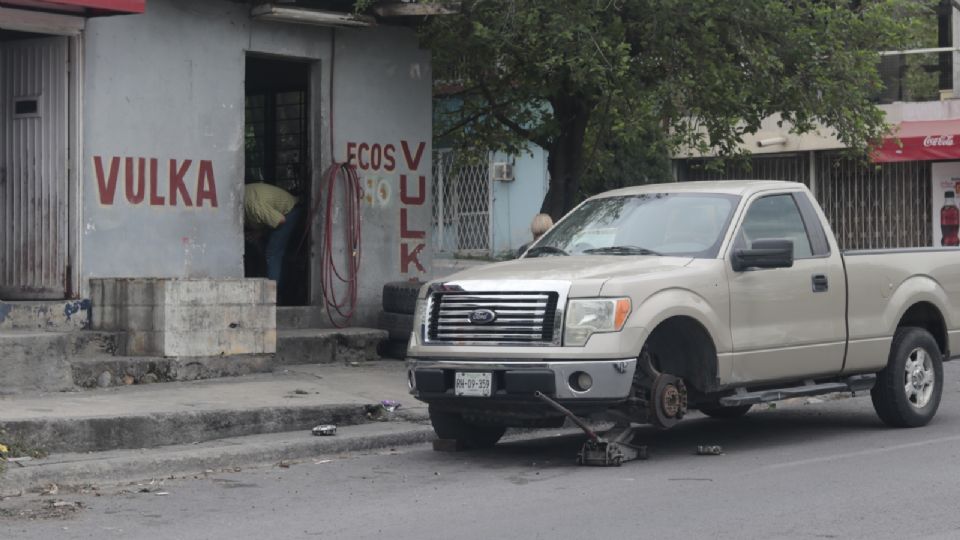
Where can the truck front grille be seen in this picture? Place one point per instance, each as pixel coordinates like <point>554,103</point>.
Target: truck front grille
<point>518,318</point>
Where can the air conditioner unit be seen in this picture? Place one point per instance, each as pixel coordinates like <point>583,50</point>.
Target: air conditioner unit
<point>503,172</point>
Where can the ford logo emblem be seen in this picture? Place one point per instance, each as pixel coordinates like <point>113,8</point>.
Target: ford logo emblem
<point>482,316</point>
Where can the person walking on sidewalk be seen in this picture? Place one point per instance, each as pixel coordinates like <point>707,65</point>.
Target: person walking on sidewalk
<point>269,208</point>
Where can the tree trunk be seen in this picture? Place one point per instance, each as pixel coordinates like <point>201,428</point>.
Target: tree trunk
<point>565,162</point>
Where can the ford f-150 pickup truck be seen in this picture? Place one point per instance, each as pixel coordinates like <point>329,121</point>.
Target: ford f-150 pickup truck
<point>647,301</point>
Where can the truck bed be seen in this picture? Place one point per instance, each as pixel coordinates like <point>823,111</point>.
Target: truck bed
<point>902,277</point>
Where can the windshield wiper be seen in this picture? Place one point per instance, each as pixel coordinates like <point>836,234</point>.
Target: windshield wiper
<point>548,250</point>
<point>623,250</point>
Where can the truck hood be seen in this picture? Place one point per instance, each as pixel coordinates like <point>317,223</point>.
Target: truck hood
<point>587,273</point>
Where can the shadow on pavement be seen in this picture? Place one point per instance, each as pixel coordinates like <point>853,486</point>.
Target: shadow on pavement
<point>762,430</point>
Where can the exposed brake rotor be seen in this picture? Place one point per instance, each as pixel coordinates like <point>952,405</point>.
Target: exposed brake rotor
<point>668,400</point>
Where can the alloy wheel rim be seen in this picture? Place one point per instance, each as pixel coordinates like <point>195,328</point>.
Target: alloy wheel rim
<point>919,378</point>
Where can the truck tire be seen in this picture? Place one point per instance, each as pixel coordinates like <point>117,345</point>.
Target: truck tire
<point>908,390</point>
<point>398,325</point>
<point>715,410</point>
<point>450,425</point>
<point>401,296</point>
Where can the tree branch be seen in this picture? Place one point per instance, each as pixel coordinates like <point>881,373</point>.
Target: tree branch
<point>463,122</point>
<point>497,111</point>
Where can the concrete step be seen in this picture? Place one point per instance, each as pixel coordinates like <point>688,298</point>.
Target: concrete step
<point>79,343</point>
<point>45,315</point>
<point>321,345</point>
<point>146,416</point>
<point>39,360</point>
<point>103,371</point>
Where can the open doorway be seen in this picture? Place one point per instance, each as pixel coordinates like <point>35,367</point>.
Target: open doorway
<point>277,152</point>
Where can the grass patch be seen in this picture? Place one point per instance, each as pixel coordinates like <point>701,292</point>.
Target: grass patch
<point>15,447</point>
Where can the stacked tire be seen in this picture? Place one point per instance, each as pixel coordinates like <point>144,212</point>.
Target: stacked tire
<point>399,303</point>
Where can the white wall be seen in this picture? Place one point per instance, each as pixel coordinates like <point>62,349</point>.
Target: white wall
<point>169,85</point>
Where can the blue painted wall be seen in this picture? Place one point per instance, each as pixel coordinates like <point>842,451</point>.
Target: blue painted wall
<point>515,203</point>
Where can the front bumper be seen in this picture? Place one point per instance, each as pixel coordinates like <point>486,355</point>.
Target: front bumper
<point>431,380</point>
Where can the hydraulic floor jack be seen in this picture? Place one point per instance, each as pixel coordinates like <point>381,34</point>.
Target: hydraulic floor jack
<point>610,450</point>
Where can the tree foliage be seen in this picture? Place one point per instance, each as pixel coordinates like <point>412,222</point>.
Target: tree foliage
<point>602,84</point>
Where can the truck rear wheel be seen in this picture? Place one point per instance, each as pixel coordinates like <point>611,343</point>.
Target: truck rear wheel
<point>908,390</point>
<point>715,410</point>
<point>451,425</point>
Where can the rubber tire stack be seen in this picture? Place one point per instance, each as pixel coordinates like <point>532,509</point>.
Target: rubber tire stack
<point>399,302</point>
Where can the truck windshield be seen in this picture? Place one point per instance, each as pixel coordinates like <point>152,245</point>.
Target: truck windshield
<point>683,224</point>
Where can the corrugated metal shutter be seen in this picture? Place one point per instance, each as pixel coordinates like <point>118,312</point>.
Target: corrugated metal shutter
<point>876,206</point>
<point>33,168</point>
<point>788,167</point>
<point>868,206</point>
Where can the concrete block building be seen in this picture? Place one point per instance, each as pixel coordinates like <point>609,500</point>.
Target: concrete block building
<point>128,129</point>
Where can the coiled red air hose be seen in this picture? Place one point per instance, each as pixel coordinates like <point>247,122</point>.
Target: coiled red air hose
<point>341,305</point>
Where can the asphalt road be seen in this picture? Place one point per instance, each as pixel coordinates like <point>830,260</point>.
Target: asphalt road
<point>820,470</point>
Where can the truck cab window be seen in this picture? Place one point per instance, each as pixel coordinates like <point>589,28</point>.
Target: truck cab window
<point>671,224</point>
<point>775,216</point>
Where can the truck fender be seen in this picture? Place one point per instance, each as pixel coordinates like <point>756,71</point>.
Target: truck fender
<point>693,358</point>
<point>913,291</point>
<point>677,302</point>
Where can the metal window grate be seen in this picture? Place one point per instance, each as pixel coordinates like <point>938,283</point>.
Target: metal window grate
<point>791,168</point>
<point>461,203</point>
<point>868,206</point>
<point>277,138</point>
<point>876,206</point>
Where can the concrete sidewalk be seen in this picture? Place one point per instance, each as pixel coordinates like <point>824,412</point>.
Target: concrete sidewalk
<point>199,425</point>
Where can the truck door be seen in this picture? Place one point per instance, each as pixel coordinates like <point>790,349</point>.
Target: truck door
<point>787,323</point>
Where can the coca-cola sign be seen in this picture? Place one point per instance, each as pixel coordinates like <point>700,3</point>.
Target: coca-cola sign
<point>937,140</point>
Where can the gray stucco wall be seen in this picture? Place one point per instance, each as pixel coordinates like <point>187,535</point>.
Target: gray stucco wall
<point>382,106</point>
<point>169,85</point>
<point>516,203</point>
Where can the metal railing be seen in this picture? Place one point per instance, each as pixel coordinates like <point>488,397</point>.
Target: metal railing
<point>915,75</point>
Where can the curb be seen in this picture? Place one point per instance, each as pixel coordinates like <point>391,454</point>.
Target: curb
<point>77,470</point>
<point>151,430</point>
<point>97,434</point>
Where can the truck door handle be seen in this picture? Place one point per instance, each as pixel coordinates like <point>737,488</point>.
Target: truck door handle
<point>820,283</point>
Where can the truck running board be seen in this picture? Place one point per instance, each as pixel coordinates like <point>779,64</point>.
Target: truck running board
<point>855,383</point>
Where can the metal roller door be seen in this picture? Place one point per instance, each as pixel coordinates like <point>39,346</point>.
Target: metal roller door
<point>33,168</point>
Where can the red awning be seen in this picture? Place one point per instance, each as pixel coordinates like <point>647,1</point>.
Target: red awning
<point>921,141</point>
<point>81,6</point>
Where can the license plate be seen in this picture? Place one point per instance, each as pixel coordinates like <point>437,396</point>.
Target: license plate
<point>473,384</point>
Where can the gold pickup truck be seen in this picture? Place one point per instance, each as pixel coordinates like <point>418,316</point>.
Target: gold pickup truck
<point>648,301</point>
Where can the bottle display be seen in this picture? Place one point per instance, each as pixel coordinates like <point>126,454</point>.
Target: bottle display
<point>949,220</point>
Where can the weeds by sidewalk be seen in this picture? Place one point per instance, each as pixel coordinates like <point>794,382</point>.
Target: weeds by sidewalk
<point>16,449</point>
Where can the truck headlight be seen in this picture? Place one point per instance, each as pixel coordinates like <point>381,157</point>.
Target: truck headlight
<point>586,317</point>
<point>420,320</point>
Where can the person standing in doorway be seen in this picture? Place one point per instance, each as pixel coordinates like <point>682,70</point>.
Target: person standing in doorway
<point>272,210</point>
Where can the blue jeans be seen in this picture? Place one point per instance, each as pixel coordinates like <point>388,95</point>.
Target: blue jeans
<point>277,245</point>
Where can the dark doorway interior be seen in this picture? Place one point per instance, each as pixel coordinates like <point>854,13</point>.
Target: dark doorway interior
<point>277,152</point>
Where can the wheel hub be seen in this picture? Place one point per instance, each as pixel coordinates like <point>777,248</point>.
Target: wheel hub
<point>671,401</point>
<point>917,378</point>
<point>668,400</point>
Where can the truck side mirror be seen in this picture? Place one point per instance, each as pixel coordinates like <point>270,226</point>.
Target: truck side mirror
<point>764,253</point>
